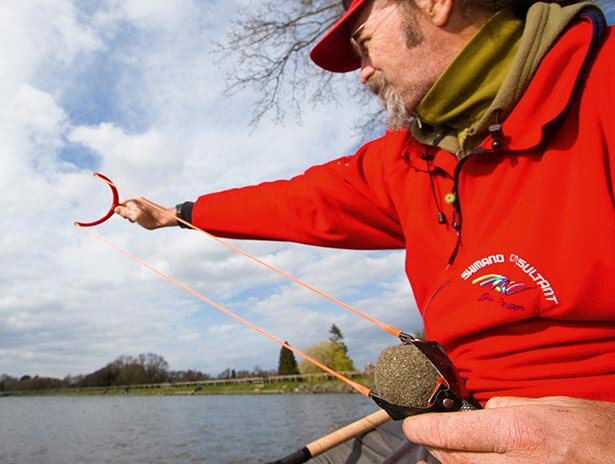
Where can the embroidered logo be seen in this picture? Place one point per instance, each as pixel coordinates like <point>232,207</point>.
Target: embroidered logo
<point>501,284</point>
<point>537,277</point>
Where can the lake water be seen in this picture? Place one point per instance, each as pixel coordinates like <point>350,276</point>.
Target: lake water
<point>234,429</point>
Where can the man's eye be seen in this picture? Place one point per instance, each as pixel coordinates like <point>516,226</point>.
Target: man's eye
<point>363,45</point>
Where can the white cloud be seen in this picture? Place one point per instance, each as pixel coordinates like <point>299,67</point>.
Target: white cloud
<point>30,123</point>
<point>127,88</point>
<point>36,33</point>
<point>126,153</point>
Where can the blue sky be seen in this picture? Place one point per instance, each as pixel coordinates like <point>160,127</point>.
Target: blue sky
<point>128,88</point>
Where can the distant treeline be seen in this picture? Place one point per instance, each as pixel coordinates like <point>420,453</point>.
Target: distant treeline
<point>152,368</point>
<point>126,370</point>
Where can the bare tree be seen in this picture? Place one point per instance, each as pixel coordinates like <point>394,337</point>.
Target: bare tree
<point>267,50</point>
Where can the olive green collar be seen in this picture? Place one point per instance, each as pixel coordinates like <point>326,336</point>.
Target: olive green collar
<point>488,77</point>
<point>463,93</point>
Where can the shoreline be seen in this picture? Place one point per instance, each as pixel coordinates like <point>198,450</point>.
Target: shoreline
<point>282,388</point>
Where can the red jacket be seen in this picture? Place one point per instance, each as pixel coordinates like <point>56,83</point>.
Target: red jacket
<point>519,291</point>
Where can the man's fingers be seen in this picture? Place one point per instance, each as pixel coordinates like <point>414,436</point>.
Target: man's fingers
<point>462,457</point>
<point>518,430</point>
<point>127,210</point>
<point>148,215</point>
<point>510,401</point>
<point>462,431</point>
<point>506,401</point>
<point>132,206</point>
<point>433,430</point>
<point>121,210</point>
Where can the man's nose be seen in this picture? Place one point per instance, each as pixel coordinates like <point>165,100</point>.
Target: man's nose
<point>367,71</point>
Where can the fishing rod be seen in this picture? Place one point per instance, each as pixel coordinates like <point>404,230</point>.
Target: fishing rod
<point>336,438</point>
<point>434,382</point>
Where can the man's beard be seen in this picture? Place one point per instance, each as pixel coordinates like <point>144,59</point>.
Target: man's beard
<point>397,115</point>
<point>396,106</point>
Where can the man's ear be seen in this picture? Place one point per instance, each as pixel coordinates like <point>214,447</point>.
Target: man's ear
<point>439,11</point>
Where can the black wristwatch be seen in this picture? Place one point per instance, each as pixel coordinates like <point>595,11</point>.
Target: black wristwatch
<point>184,211</point>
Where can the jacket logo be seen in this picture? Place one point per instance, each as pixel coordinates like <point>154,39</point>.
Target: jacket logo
<point>501,284</point>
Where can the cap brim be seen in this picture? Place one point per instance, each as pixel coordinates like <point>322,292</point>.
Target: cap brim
<point>333,51</point>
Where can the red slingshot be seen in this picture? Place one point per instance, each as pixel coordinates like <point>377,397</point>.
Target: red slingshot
<point>115,201</point>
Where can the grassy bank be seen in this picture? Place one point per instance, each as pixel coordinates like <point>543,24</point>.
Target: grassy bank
<point>255,386</point>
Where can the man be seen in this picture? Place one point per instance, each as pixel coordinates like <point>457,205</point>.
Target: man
<point>497,177</point>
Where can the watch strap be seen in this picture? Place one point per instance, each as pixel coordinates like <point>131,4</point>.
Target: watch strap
<point>184,211</point>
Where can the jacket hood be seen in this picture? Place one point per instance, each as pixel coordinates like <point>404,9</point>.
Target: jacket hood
<point>545,22</point>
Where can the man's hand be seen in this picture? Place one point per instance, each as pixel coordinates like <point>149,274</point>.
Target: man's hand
<point>146,215</point>
<point>520,430</point>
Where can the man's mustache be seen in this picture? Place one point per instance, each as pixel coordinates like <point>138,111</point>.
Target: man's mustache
<point>378,85</point>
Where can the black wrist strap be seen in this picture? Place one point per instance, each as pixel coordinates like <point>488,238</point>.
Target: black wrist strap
<point>184,211</point>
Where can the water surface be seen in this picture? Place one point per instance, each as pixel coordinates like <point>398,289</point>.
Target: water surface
<point>233,429</point>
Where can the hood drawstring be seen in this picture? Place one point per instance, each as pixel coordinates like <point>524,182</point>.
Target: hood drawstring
<point>496,132</point>
<point>428,158</point>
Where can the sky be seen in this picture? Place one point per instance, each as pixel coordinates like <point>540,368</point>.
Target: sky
<point>128,88</point>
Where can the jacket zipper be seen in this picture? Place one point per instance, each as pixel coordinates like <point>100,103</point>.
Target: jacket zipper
<point>433,295</point>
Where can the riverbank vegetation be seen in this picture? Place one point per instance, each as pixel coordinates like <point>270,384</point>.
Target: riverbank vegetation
<point>149,374</point>
<point>271,384</point>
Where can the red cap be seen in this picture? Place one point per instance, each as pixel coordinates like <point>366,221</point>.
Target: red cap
<point>333,51</point>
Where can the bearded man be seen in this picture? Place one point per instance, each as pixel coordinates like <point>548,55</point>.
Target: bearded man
<point>497,178</point>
